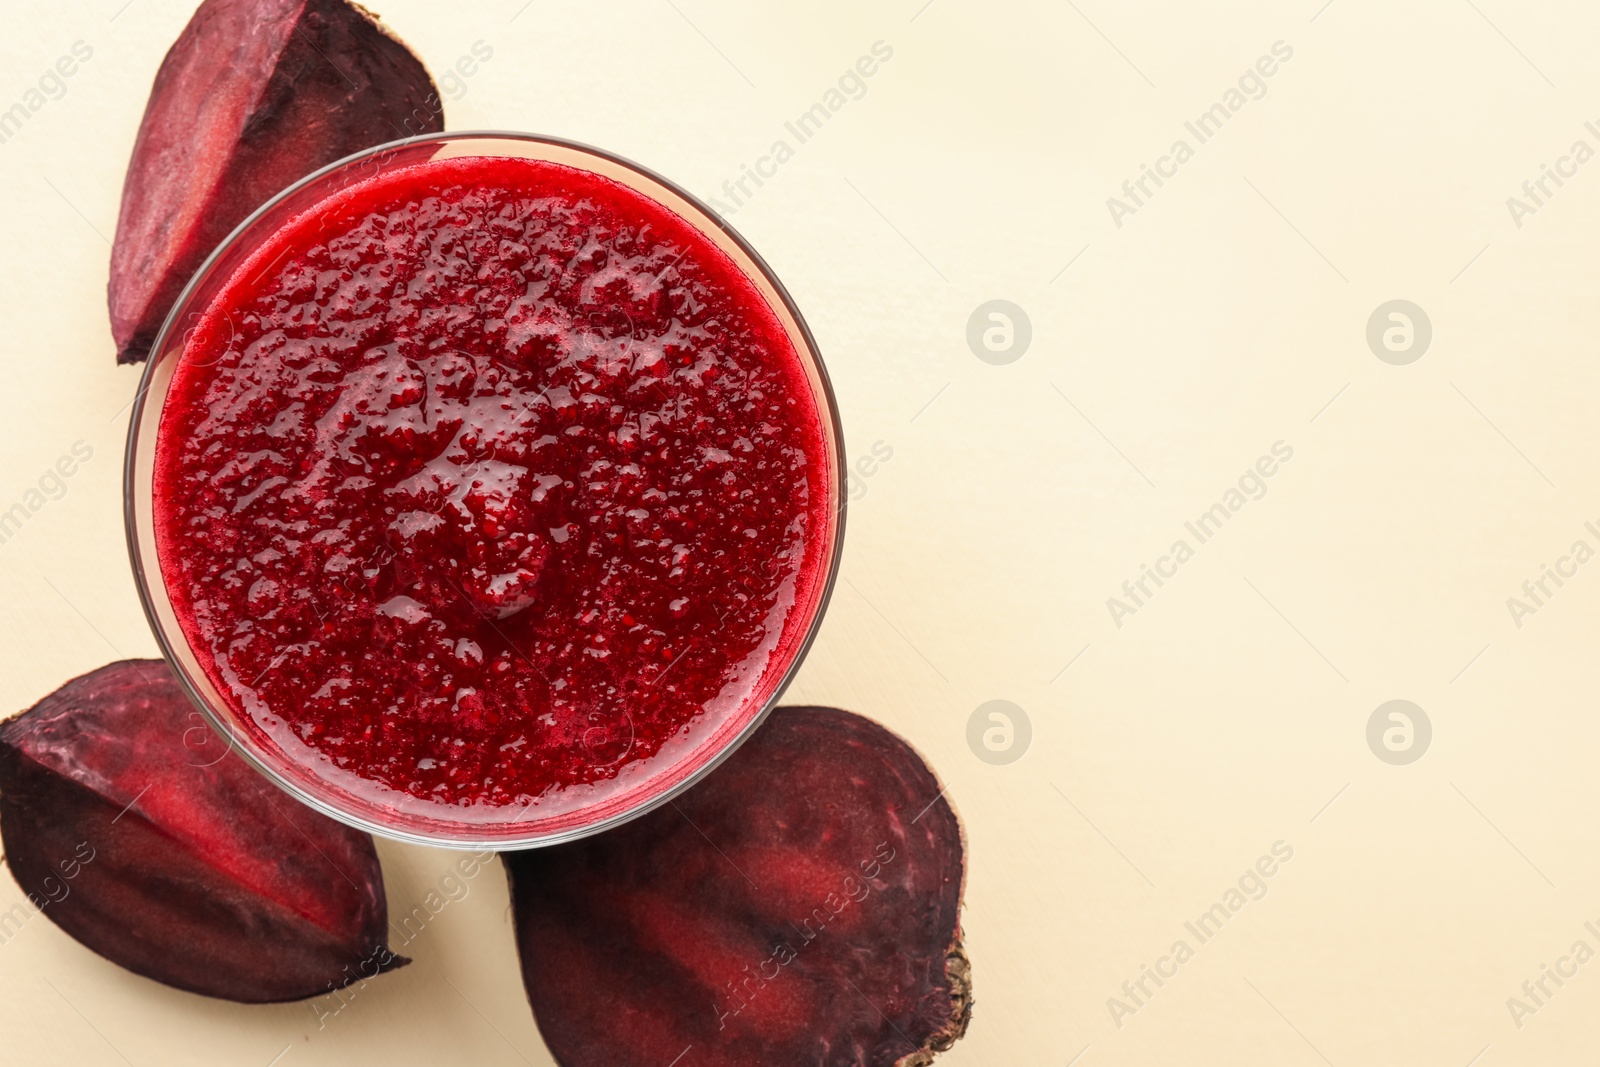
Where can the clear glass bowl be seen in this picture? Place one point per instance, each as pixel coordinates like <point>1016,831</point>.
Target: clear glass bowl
<point>421,821</point>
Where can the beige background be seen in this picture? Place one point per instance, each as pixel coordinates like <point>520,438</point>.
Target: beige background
<point>1171,353</point>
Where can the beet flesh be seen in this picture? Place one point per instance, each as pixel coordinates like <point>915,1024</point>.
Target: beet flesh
<point>798,907</point>
<point>137,831</point>
<point>255,95</point>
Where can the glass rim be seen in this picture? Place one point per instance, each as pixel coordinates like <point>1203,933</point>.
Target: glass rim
<point>150,584</point>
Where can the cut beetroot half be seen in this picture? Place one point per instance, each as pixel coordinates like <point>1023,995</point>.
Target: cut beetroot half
<point>255,95</point>
<point>137,831</point>
<point>799,907</point>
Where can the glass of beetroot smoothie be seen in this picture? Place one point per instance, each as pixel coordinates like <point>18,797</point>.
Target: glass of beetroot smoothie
<point>484,490</point>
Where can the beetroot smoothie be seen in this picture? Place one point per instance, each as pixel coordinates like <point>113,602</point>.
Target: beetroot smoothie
<point>492,484</point>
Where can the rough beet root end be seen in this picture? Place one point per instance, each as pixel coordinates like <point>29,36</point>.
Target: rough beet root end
<point>799,907</point>
<point>255,95</point>
<point>138,832</point>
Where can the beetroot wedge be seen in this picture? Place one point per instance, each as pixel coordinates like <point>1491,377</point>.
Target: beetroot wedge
<point>139,833</point>
<point>255,95</point>
<point>799,907</point>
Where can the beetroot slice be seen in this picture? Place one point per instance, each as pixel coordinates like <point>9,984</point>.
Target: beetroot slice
<point>144,837</point>
<point>255,95</point>
<point>801,906</point>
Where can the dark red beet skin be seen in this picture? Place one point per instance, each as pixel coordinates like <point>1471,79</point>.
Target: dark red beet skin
<point>255,95</point>
<point>799,907</point>
<point>140,834</point>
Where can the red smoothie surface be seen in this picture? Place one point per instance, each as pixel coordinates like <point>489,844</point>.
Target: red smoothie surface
<point>492,483</point>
